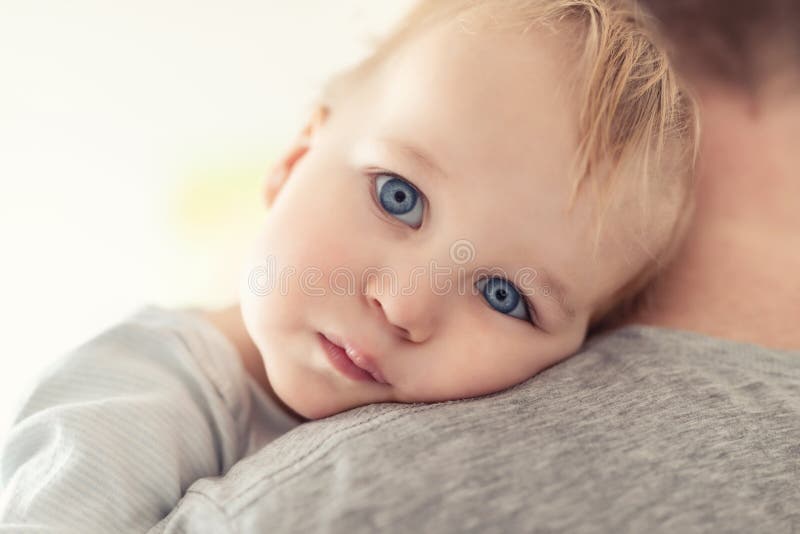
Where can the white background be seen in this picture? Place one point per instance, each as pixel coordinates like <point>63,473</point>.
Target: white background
<point>133,135</point>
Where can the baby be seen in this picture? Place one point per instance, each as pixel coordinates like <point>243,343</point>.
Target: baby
<point>497,179</point>
<point>500,178</point>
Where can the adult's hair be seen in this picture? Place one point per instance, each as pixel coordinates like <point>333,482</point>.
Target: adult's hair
<point>744,43</point>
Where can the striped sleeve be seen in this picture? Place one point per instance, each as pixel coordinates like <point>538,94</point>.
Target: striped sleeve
<point>113,434</point>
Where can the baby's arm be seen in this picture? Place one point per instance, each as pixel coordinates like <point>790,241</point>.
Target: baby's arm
<point>111,437</point>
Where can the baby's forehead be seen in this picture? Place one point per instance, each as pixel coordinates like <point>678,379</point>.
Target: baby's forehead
<point>482,67</point>
<point>476,109</point>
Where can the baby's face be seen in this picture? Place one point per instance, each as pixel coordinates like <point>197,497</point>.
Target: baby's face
<point>425,227</point>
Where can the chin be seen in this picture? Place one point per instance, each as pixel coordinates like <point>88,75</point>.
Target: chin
<point>313,407</point>
<point>317,401</point>
<point>303,388</point>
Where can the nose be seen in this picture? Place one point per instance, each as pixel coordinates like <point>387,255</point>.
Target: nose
<point>410,311</point>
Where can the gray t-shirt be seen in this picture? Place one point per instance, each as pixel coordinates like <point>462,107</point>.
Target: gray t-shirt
<point>645,430</point>
<point>114,432</point>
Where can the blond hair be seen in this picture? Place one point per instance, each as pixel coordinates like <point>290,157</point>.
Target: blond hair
<point>637,126</point>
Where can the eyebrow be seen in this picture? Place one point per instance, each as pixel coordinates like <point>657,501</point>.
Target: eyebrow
<point>416,153</point>
<point>558,292</point>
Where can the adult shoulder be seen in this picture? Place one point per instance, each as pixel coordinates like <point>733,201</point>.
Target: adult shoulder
<point>645,428</point>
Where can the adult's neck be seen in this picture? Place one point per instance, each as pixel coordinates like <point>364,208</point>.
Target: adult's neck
<point>737,275</point>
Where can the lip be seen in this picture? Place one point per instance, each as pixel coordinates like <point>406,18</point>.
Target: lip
<point>349,360</point>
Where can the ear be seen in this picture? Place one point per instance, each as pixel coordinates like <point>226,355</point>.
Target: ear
<point>275,180</point>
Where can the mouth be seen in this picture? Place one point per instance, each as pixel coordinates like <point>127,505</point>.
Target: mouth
<point>349,360</point>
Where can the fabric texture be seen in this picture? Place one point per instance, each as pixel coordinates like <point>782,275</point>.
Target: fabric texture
<point>645,430</point>
<point>113,433</point>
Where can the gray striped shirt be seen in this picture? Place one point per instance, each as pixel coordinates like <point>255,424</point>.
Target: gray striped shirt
<point>113,433</point>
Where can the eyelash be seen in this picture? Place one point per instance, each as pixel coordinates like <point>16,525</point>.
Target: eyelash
<point>531,309</point>
<point>373,176</point>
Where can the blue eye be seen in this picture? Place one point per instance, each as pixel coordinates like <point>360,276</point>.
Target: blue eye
<point>399,199</point>
<point>503,297</point>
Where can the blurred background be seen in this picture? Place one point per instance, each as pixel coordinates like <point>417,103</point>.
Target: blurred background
<point>133,137</point>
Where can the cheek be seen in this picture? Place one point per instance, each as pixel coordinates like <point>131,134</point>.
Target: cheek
<point>316,233</point>
<point>321,219</point>
<point>478,359</point>
<point>304,236</point>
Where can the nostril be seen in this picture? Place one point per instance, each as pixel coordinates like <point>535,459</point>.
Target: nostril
<point>404,332</point>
